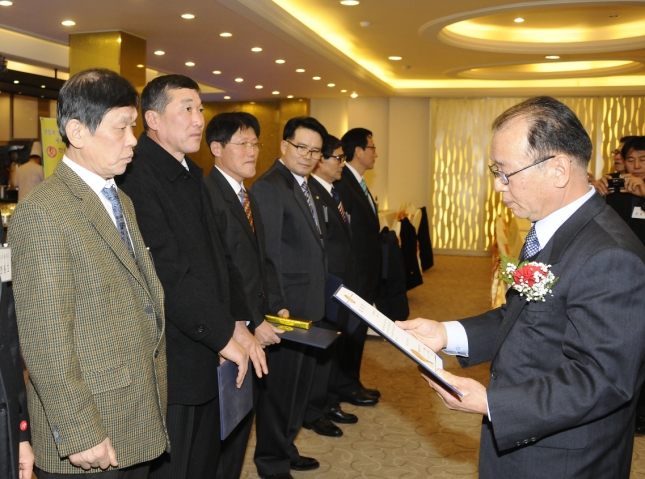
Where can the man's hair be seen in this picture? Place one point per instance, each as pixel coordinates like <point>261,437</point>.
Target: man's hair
<point>637,143</point>
<point>330,144</point>
<point>625,139</point>
<point>88,95</point>
<point>222,127</point>
<point>353,138</point>
<point>552,128</point>
<point>155,94</point>
<point>307,122</point>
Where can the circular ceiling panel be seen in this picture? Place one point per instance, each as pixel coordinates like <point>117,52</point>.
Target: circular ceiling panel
<point>551,70</point>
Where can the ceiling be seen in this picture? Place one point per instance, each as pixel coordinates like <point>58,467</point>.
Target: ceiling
<point>457,48</point>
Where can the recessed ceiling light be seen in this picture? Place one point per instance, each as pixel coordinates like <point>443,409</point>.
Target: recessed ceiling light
<point>258,87</point>
<point>349,3</point>
<point>613,15</point>
<point>6,3</point>
<point>225,34</point>
<point>252,102</point>
<point>519,20</point>
<point>395,57</point>
<point>354,95</point>
<point>188,16</point>
<point>300,70</point>
<point>275,92</point>
<point>190,64</point>
<point>239,80</point>
<point>343,91</point>
<point>256,49</point>
<point>217,72</point>
<point>140,65</point>
<point>289,96</point>
<point>69,23</point>
<point>160,52</point>
<point>42,86</point>
<point>552,57</point>
<point>364,24</point>
<point>16,82</point>
<point>316,78</point>
<point>279,60</point>
<point>227,97</point>
<point>331,84</point>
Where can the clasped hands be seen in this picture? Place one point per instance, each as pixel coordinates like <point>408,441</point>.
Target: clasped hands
<point>433,334</point>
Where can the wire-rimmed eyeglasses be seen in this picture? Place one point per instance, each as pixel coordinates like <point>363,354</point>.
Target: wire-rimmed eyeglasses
<point>303,151</point>
<point>504,177</point>
<point>249,145</point>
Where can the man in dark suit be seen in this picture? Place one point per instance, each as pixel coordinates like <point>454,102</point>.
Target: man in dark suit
<point>359,148</point>
<point>323,405</point>
<point>567,361</point>
<point>233,141</point>
<point>16,456</point>
<point>206,308</point>
<point>294,233</point>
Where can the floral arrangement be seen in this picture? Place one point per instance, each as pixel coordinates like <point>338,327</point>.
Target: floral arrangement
<point>531,279</point>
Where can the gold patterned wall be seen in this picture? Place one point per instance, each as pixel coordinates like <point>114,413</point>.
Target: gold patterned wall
<point>464,204</point>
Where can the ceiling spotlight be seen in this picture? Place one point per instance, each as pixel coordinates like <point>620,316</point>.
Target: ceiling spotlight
<point>316,78</point>
<point>190,64</point>
<point>42,86</point>
<point>354,95</point>
<point>331,84</point>
<point>16,82</point>
<point>395,58</point>
<point>225,34</point>
<point>217,72</point>
<point>256,49</point>
<point>289,96</point>
<point>364,24</point>
<point>349,3</point>
<point>258,87</point>
<point>69,23</point>
<point>160,52</point>
<point>300,70</point>
<point>552,57</point>
<point>275,92</point>
<point>239,80</point>
<point>519,20</point>
<point>279,60</point>
<point>227,97</point>
<point>5,3</point>
<point>252,102</point>
<point>188,16</point>
<point>613,15</point>
<point>343,91</point>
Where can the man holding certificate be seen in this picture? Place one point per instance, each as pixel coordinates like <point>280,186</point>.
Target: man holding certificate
<point>567,348</point>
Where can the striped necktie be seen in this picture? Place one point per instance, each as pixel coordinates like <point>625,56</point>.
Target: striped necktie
<point>113,198</point>
<point>246,204</point>
<point>367,193</point>
<point>305,190</point>
<point>338,201</point>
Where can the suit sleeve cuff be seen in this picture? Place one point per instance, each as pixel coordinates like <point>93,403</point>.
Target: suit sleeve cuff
<point>457,339</point>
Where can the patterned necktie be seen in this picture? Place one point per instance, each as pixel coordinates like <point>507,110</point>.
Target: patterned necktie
<point>246,204</point>
<point>113,198</point>
<point>367,193</point>
<point>531,245</point>
<point>305,190</point>
<point>336,197</point>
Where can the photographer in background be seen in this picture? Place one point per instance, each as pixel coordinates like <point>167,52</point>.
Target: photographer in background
<point>602,184</point>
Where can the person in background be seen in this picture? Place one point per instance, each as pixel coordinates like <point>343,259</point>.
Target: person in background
<point>31,174</point>
<point>601,184</point>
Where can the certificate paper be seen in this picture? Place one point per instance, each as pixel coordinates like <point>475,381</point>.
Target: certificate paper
<point>415,349</point>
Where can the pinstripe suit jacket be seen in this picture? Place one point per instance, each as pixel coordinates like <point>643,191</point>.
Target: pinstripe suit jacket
<point>91,326</point>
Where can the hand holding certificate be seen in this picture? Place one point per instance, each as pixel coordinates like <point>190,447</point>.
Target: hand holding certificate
<point>404,341</point>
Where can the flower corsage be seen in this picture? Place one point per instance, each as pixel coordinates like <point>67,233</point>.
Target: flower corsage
<point>531,279</point>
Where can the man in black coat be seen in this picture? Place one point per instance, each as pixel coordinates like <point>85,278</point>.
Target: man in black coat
<point>206,308</point>
<point>323,405</point>
<point>294,242</point>
<point>16,457</point>
<point>358,146</point>
<point>233,141</point>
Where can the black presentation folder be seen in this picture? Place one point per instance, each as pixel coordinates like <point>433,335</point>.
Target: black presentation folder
<point>234,403</point>
<point>316,337</point>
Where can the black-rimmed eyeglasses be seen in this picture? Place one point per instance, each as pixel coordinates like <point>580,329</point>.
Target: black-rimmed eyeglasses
<point>341,158</point>
<point>504,177</point>
<point>303,151</point>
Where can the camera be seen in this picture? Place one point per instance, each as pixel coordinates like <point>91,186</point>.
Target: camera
<point>614,184</point>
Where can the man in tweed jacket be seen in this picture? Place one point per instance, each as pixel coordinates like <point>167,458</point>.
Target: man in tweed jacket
<point>88,302</point>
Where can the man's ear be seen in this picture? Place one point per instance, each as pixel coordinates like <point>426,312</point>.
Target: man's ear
<point>358,152</point>
<point>152,118</point>
<point>562,170</point>
<point>283,146</point>
<point>76,132</point>
<point>216,148</point>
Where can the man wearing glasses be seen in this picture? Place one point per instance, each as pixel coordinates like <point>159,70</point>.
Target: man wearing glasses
<point>601,184</point>
<point>294,232</point>
<point>566,365</point>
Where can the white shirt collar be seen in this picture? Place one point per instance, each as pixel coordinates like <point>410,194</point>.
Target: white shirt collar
<point>94,181</point>
<point>184,164</point>
<point>359,177</point>
<point>234,184</point>
<point>328,186</point>
<point>299,179</point>
<point>546,227</point>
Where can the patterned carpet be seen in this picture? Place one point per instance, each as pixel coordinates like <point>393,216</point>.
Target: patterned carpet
<point>409,434</point>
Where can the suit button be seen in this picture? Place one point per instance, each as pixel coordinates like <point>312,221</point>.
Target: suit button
<point>148,309</point>
<point>3,406</point>
<point>518,443</point>
<point>262,295</point>
<point>200,329</point>
<point>526,441</point>
<point>156,353</point>
<point>493,375</point>
<point>533,439</point>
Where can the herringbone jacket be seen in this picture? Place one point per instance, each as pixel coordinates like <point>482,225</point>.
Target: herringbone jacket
<point>91,324</point>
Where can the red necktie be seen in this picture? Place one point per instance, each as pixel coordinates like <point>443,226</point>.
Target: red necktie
<point>246,204</point>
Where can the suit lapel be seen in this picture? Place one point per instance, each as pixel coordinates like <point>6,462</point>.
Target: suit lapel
<point>328,200</point>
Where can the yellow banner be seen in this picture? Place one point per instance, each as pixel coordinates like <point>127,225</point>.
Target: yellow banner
<point>53,146</point>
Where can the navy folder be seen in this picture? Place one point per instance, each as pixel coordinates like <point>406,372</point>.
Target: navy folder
<point>316,337</point>
<point>234,403</point>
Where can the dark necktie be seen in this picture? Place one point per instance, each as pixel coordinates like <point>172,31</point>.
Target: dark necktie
<point>113,198</point>
<point>338,201</point>
<point>305,190</point>
<point>246,204</point>
<point>531,245</point>
<point>367,193</point>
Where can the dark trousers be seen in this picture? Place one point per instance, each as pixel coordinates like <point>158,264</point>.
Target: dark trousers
<point>139,471</point>
<point>194,441</point>
<point>281,406</point>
